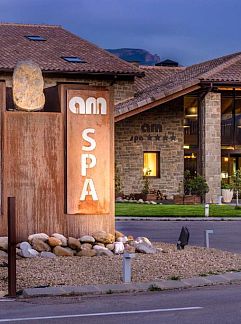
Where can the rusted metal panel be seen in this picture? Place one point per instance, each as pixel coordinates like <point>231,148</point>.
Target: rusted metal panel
<point>33,170</point>
<point>3,220</point>
<point>88,152</point>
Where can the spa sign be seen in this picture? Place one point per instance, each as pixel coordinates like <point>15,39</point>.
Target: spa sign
<point>89,152</point>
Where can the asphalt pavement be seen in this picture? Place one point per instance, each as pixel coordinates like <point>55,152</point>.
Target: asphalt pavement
<point>219,304</point>
<point>226,236</point>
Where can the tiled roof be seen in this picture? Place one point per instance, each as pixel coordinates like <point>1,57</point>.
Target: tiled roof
<point>14,46</point>
<point>153,75</point>
<point>225,68</point>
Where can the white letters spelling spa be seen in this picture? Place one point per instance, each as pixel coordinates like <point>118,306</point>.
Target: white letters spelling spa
<point>91,106</point>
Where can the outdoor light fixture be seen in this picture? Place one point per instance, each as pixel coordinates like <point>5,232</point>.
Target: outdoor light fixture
<point>224,175</point>
<point>226,159</point>
<point>186,123</point>
<point>191,112</point>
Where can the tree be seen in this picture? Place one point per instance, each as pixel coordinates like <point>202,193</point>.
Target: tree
<point>236,183</point>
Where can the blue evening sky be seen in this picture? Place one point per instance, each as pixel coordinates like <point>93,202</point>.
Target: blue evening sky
<point>188,31</point>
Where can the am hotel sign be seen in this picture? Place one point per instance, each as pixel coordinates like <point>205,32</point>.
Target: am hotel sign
<point>89,151</point>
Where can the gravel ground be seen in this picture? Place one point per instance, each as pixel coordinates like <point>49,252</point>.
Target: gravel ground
<point>192,261</point>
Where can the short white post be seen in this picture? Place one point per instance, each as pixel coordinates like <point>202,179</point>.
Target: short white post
<point>220,200</point>
<point>206,210</point>
<point>127,266</point>
<point>206,237</point>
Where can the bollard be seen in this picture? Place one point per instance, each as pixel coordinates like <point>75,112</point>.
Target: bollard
<point>11,247</point>
<point>206,237</point>
<point>206,210</point>
<point>220,200</point>
<point>127,267</point>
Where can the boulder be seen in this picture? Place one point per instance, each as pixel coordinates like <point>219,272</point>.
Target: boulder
<point>40,236</point>
<point>129,248</point>
<point>102,251</point>
<point>143,239</point>
<point>145,248</point>
<point>86,253</point>
<point>101,244</point>
<point>103,237</point>
<point>86,246</point>
<point>29,253</point>
<point>123,239</point>
<point>153,202</point>
<point>48,255</point>
<point>18,250</point>
<point>119,248</point>
<point>87,239</point>
<point>61,251</point>
<point>40,245</point>
<point>74,243</point>
<point>110,246</point>
<point>118,234</point>
<point>4,243</point>
<point>61,237</point>
<point>25,246</point>
<point>3,254</point>
<point>130,238</point>
<point>28,86</point>
<point>53,241</point>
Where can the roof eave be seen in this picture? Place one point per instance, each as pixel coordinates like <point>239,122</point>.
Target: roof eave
<point>156,103</point>
<point>84,73</point>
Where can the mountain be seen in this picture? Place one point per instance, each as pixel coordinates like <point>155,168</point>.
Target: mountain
<point>141,56</point>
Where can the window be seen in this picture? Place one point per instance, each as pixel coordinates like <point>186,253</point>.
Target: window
<point>231,118</point>
<point>73,59</point>
<point>151,164</point>
<point>36,38</point>
<point>190,123</point>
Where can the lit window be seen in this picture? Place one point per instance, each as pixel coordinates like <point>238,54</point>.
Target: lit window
<point>73,59</point>
<point>151,164</point>
<point>35,38</point>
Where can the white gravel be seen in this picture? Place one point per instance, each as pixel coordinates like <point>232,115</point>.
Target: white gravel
<point>192,261</point>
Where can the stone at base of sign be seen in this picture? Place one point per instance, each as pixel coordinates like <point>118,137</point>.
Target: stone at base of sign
<point>42,248</point>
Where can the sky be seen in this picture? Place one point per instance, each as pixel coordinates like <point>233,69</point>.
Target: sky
<point>187,31</point>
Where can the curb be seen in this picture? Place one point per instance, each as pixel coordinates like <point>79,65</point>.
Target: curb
<point>226,278</point>
<point>204,219</point>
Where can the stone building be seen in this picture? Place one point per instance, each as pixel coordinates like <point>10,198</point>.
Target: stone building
<point>181,118</point>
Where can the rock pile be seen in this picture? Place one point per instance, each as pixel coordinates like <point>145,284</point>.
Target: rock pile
<point>99,243</point>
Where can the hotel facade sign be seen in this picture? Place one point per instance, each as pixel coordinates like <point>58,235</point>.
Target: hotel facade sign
<point>89,152</point>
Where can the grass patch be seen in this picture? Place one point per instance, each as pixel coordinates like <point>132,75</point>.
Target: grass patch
<point>132,209</point>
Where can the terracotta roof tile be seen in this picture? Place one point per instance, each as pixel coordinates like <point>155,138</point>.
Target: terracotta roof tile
<point>225,68</point>
<point>153,75</point>
<point>14,46</point>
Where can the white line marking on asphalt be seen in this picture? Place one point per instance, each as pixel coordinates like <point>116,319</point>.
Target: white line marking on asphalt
<point>100,314</point>
<point>7,300</point>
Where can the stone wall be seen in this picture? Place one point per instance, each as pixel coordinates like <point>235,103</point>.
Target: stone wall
<point>123,88</point>
<point>211,144</point>
<point>129,148</point>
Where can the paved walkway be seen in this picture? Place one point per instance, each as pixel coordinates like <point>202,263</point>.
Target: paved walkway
<point>227,278</point>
